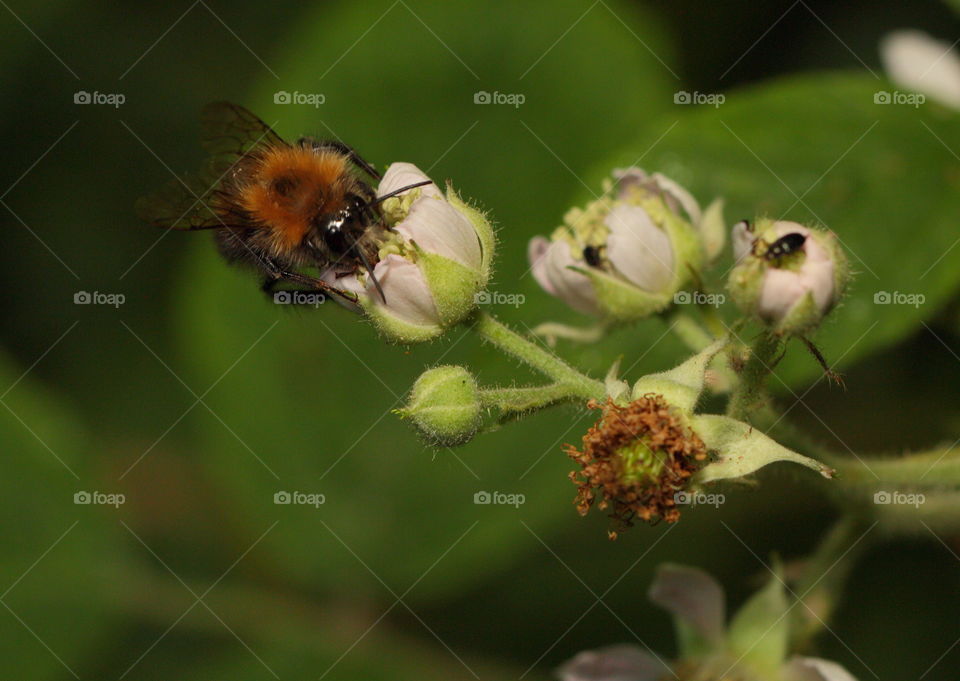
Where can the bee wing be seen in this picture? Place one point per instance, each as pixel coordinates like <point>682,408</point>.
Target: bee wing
<point>229,133</point>
<point>229,130</point>
<point>184,203</point>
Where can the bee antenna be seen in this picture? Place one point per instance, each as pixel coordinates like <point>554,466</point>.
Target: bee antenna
<point>398,191</point>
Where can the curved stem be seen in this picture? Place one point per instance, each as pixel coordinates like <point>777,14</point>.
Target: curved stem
<point>551,331</point>
<point>687,329</point>
<point>509,341</point>
<point>825,577</point>
<point>935,468</point>
<point>512,401</point>
<point>749,395</point>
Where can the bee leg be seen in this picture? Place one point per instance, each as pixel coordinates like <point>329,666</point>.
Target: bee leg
<point>347,151</point>
<point>312,285</point>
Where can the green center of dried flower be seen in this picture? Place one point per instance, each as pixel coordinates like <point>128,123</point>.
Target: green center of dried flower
<point>640,463</point>
<point>634,460</point>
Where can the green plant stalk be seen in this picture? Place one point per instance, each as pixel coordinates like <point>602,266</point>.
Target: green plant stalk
<point>935,468</point>
<point>498,334</point>
<point>514,401</point>
<point>825,577</point>
<point>713,321</point>
<point>749,394</point>
<point>686,328</point>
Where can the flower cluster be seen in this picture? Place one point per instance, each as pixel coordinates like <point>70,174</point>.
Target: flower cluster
<point>754,646</point>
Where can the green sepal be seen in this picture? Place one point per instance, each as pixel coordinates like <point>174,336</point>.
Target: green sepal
<point>617,389</point>
<point>395,330</point>
<point>682,385</point>
<point>453,286</point>
<point>483,228</point>
<point>742,450</point>
<point>803,317</point>
<point>759,633</point>
<point>713,230</point>
<point>620,300</point>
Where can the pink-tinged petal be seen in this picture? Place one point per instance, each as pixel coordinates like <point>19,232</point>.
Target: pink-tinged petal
<point>406,290</point>
<point>684,197</point>
<point>918,62</point>
<point>573,288</point>
<point>815,669</point>
<point>624,662</point>
<point>404,174</point>
<point>693,596</point>
<point>638,249</point>
<point>437,227</point>
<point>552,271</point>
<point>537,255</point>
<point>742,240</point>
<point>783,288</point>
<point>676,195</point>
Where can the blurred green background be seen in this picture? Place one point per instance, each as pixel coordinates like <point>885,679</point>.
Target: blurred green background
<point>198,400</point>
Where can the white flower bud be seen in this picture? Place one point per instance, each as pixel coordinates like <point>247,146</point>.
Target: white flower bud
<point>431,265</point>
<point>623,256</point>
<point>787,274</point>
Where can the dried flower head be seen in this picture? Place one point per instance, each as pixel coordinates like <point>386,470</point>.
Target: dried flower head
<point>635,459</point>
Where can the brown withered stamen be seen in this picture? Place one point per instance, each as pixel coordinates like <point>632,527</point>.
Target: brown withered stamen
<point>635,492</point>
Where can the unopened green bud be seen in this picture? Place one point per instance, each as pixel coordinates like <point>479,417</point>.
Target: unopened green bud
<point>444,405</point>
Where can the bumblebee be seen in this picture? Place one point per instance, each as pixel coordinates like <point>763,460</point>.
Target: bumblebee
<point>279,208</point>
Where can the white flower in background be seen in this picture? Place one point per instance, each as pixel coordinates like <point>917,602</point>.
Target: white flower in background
<point>623,256</point>
<point>431,265</point>
<point>920,63</point>
<point>752,647</point>
<point>787,274</point>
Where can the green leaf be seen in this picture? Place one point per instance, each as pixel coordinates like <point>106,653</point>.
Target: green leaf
<point>885,178</point>
<point>682,385</point>
<point>55,567</point>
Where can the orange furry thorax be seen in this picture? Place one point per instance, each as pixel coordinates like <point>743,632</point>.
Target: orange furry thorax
<point>290,186</point>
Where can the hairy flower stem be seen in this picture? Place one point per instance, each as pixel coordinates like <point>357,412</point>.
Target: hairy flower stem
<point>688,330</point>
<point>825,576</point>
<point>749,395</point>
<point>495,332</point>
<point>512,402</point>
<point>935,468</point>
